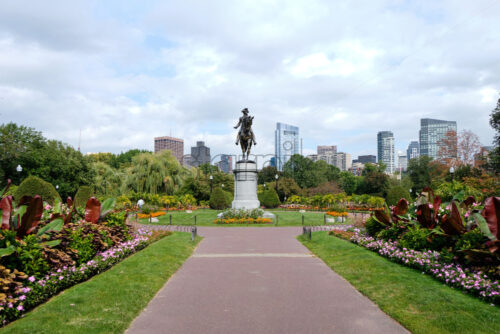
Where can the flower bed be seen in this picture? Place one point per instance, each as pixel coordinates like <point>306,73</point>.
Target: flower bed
<point>152,214</point>
<point>337,214</point>
<point>38,290</point>
<point>244,221</point>
<point>430,262</point>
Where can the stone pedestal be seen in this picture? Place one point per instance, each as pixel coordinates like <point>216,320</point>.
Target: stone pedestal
<point>245,186</point>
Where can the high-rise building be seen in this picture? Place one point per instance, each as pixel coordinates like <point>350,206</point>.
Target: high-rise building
<point>176,145</point>
<point>385,150</point>
<point>200,154</point>
<point>402,163</point>
<point>342,161</point>
<point>432,132</point>
<point>226,163</point>
<point>272,162</point>
<point>413,150</point>
<point>327,150</point>
<point>366,159</point>
<point>286,143</point>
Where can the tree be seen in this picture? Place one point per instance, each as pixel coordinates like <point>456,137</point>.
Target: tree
<point>325,188</point>
<point>493,160</point>
<point>468,147</point>
<point>50,160</point>
<point>348,182</point>
<point>374,183</point>
<point>267,174</point>
<point>156,173</point>
<point>447,148</point>
<point>208,169</point>
<point>418,171</point>
<point>287,187</point>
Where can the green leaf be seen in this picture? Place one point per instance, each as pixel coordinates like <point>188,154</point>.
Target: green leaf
<point>108,205</point>
<point>55,225</point>
<point>7,251</point>
<point>483,226</point>
<point>52,243</point>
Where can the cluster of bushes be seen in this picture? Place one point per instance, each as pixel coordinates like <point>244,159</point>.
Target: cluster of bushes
<point>339,201</point>
<point>462,230</point>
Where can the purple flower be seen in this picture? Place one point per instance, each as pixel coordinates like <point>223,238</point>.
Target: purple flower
<point>20,308</point>
<point>31,279</point>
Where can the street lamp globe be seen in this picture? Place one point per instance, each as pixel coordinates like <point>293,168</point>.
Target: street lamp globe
<point>222,185</point>
<point>452,170</point>
<point>276,176</point>
<point>19,168</point>
<point>211,177</point>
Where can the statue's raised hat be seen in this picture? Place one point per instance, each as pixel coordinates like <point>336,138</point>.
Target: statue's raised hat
<point>245,111</point>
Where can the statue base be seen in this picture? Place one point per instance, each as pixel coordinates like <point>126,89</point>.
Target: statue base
<point>245,185</point>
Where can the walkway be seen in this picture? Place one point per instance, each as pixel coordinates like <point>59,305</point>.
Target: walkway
<point>258,280</point>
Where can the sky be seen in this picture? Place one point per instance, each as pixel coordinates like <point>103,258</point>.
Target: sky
<point>123,73</point>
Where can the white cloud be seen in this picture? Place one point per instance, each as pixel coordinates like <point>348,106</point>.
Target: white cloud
<point>341,71</point>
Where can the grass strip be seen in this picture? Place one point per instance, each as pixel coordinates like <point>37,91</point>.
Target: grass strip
<point>418,302</point>
<point>206,217</point>
<point>109,302</point>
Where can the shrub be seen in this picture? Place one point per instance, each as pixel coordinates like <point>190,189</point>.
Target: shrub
<point>218,199</point>
<point>391,233</point>
<point>123,202</point>
<point>229,199</point>
<point>270,199</point>
<point>373,226</point>
<point>31,257</point>
<point>474,239</point>
<point>396,193</point>
<point>415,238</point>
<point>33,185</point>
<point>83,245</point>
<point>82,196</point>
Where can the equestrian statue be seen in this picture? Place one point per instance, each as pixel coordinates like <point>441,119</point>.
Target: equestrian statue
<point>245,136</point>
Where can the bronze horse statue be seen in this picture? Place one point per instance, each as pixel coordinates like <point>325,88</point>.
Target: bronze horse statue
<point>245,137</point>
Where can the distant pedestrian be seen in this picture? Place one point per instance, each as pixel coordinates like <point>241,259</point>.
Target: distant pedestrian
<point>140,203</point>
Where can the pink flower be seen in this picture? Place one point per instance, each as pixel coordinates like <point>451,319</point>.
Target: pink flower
<point>31,279</point>
<point>20,308</point>
<point>23,297</point>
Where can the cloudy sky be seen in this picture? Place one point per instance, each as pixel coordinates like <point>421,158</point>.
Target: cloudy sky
<point>125,72</point>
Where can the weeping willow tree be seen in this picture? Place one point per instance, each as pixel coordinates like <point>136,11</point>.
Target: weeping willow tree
<point>108,180</point>
<point>155,173</point>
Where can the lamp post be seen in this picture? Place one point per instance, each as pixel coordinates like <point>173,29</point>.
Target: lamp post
<point>222,185</point>
<point>452,170</point>
<point>211,177</point>
<point>276,177</point>
<point>19,169</point>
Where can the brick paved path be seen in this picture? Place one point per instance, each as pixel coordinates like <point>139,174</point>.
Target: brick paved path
<point>259,280</point>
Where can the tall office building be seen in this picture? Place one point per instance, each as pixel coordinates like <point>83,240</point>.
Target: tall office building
<point>226,163</point>
<point>366,159</point>
<point>413,150</point>
<point>327,150</point>
<point>432,132</point>
<point>176,145</point>
<point>385,150</point>
<point>286,143</point>
<point>342,161</point>
<point>200,154</point>
<point>402,163</point>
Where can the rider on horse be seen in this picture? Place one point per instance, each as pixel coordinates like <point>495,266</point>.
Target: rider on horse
<point>243,120</point>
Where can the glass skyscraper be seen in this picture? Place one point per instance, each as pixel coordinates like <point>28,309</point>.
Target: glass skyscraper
<point>286,143</point>
<point>431,132</point>
<point>413,150</point>
<point>385,150</point>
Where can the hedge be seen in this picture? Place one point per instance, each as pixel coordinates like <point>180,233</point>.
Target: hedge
<point>33,185</point>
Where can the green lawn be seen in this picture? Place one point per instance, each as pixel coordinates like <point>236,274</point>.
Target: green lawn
<point>418,302</point>
<point>110,301</point>
<point>205,217</point>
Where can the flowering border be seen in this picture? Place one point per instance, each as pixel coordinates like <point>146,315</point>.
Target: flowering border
<point>37,291</point>
<point>430,262</point>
